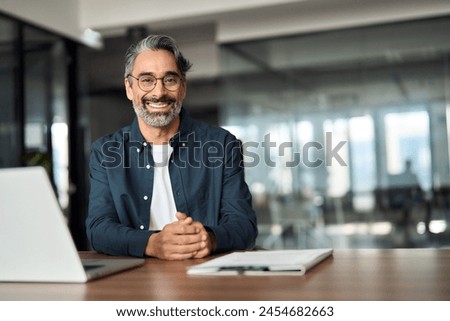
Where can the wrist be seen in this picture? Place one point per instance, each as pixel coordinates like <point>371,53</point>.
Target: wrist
<point>212,240</point>
<point>149,248</point>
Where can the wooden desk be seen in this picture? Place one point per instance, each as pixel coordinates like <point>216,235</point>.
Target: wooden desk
<point>399,274</point>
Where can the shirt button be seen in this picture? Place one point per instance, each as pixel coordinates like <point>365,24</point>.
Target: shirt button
<point>145,197</point>
<point>142,227</point>
<point>138,150</point>
<point>183,144</point>
<point>148,166</point>
<point>144,143</point>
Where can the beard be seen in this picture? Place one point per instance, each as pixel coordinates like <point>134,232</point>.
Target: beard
<point>158,118</point>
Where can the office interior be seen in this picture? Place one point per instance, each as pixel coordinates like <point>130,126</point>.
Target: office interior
<point>343,108</point>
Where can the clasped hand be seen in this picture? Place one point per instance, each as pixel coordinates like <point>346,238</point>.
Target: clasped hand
<point>180,240</point>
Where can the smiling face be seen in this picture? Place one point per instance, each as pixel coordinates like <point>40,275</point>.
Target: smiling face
<point>158,107</point>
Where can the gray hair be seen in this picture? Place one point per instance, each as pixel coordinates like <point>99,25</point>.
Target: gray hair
<point>156,42</point>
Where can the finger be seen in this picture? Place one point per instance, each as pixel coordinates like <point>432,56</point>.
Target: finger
<point>205,251</point>
<point>197,226</point>
<point>179,256</point>
<point>193,248</point>
<point>188,220</point>
<point>177,228</point>
<point>190,240</point>
<point>179,252</point>
<point>161,246</point>
<point>181,216</point>
<point>201,254</point>
<point>180,234</point>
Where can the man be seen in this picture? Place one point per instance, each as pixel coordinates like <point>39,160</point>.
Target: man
<point>166,186</point>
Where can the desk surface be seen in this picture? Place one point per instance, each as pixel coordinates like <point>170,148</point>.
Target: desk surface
<point>387,274</point>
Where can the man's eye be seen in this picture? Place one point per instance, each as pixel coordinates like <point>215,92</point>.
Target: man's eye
<point>147,80</point>
<point>170,80</point>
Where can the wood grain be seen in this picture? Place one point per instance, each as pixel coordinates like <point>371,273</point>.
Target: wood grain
<point>385,274</point>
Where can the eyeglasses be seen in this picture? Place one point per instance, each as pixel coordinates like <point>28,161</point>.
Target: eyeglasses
<point>148,82</point>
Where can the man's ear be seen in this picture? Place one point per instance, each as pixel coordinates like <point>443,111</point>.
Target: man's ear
<point>128,89</point>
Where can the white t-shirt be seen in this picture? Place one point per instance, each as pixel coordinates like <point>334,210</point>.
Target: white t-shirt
<point>163,209</point>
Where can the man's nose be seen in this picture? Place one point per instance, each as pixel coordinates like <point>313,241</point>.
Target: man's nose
<point>159,89</point>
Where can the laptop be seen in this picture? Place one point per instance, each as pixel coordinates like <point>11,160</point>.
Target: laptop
<point>35,242</point>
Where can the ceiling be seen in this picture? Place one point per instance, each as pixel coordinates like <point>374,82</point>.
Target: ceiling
<point>90,21</point>
<point>201,26</point>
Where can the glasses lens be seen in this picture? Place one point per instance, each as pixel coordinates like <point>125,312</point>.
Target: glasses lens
<point>171,82</point>
<point>147,82</point>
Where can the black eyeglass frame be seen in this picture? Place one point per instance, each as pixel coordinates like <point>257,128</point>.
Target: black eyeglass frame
<point>180,79</point>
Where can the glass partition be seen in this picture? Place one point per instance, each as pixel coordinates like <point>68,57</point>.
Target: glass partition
<point>46,107</point>
<point>10,126</point>
<point>34,102</point>
<point>332,125</point>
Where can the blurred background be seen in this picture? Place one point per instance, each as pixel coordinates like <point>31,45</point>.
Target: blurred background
<point>343,106</point>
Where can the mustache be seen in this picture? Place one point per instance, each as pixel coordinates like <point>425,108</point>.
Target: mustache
<point>162,99</point>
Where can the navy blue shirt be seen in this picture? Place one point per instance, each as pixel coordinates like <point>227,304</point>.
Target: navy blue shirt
<point>207,180</point>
